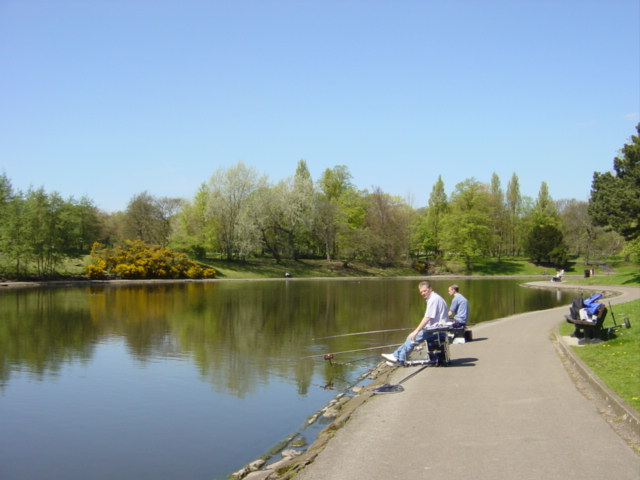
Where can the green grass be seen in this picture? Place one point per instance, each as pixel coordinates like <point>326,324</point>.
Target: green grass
<point>261,268</point>
<point>626,274</point>
<point>510,266</point>
<point>617,360</point>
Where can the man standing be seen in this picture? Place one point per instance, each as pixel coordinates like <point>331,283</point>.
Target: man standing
<point>459,310</point>
<point>434,316</point>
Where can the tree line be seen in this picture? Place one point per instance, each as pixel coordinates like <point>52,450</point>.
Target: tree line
<point>238,214</point>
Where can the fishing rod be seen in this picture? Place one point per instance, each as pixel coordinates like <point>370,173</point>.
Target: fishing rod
<point>625,321</point>
<point>363,333</point>
<point>330,355</point>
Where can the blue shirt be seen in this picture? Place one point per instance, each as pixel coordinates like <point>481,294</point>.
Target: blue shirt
<point>460,308</point>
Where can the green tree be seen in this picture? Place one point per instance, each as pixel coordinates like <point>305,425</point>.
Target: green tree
<point>499,218</point>
<point>83,226</point>
<point>229,191</point>
<point>298,206</point>
<point>544,244</point>
<point>266,213</point>
<point>335,182</point>
<point>468,223</point>
<point>387,224</point>
<point>544,241</point>
<point>149,218</point>
<point>353,238</point>
<point>582,237</point>
<point>330,212</point>
<point>192,232</point>
<point>513,206</point>
<point>437,210</point>
<point>615,198</point>
<point>13,230</point>
<point>45,230</point>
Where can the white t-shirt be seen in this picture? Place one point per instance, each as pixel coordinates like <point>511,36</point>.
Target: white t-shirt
<point>437,310</point>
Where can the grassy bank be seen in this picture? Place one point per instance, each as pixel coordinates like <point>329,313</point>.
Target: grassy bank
<point>268,268</point>
<point>617,360</point>
<point>260,268</point>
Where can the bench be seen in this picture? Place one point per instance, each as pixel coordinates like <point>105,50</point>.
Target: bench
<point>588,329</point>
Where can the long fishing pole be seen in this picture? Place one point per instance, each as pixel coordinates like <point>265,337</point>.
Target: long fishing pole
<point>350,351</point>
<point>363,333</point>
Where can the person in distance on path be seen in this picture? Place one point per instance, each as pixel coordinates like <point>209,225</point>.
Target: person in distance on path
<point>435,316</point>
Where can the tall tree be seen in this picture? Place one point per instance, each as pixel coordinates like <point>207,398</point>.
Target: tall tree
<point>83,226</point>
<point>388,226</point>
<point>148,218</point>
<point>45,229</point>
<point>192,232</point>
<point>545,206</point>
<point>615,198</point>
<point>267,214</point>
<point>335,181</point>
<point>513,201</point>
<point>353,238</point>
<point>499,220</point>
<point>13,229</point>
<point>437,210</point>
<point>544,241</point>
<point>229,190</point>
<point>298,208</point>
<point>330,218</point>
<point>467,225</point>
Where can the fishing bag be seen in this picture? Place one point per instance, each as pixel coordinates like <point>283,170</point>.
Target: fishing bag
<point>576,305</point>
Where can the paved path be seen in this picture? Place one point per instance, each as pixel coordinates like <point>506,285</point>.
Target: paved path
<point>506,409</point>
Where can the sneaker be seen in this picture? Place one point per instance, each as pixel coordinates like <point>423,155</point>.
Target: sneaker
<point>393,364</point>
<point>390,356</point>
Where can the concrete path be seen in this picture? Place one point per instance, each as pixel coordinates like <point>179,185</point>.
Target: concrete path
<point>505,409</point>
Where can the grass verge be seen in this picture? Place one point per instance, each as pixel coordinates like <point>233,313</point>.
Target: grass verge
<point>616,361</point>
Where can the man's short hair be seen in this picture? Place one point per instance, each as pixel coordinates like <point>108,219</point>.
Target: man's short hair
<point>454,287</point>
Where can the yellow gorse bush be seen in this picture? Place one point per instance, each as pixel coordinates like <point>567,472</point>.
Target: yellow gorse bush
<point>138,260</point>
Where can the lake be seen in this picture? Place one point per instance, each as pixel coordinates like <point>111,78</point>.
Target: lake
<point>192,380</point>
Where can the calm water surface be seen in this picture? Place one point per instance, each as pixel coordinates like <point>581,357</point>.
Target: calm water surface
<point>193,380</point>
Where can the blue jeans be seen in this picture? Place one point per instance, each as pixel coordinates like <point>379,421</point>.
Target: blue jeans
<point>403,351</point>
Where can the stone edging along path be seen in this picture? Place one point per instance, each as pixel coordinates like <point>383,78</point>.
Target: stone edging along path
<point>624,419</point>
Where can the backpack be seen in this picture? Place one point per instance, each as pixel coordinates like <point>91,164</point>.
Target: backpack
<point>576,305</point>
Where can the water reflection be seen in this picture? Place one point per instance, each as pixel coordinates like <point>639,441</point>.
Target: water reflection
<point>235,332</point>
<point>147,351</point>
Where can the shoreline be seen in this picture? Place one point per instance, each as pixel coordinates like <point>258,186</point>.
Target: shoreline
<point>117,282</point>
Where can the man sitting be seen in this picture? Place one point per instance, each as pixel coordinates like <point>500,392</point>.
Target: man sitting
<point>459,311</point>
<point>435,316</point>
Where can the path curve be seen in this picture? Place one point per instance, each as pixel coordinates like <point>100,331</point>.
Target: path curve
<point>507,408</point>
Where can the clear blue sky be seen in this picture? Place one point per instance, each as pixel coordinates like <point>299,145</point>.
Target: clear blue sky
<point>110,98</point>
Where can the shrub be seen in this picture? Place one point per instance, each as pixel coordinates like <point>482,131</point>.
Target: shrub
<point>137,260</point>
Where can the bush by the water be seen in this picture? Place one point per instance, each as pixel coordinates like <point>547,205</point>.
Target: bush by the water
<point>138,260</point>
